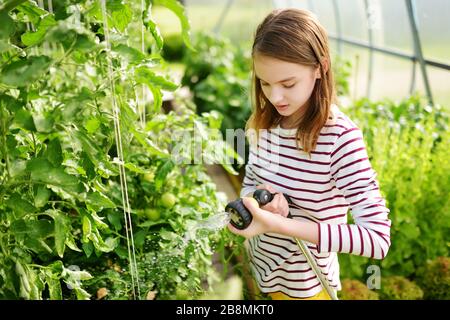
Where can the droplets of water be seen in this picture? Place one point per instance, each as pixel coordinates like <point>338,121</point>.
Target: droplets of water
<point>211,224</point>
<point>197,230</point>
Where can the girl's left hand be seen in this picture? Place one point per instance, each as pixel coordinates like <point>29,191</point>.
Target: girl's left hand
<point>263,220</point>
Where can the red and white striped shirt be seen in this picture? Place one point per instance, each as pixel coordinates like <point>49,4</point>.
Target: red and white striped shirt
<point>336,178</point>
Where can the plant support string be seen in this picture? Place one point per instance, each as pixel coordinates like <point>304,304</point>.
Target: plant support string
<point>123,181</point>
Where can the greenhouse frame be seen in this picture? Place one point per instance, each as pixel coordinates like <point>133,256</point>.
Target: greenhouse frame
<point>224,150</point>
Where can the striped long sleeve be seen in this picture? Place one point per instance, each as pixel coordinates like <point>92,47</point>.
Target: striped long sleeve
<point>324,185</point>
<point>353,175</point>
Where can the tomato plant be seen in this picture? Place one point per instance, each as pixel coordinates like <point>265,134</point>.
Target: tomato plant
<point>70,180</point>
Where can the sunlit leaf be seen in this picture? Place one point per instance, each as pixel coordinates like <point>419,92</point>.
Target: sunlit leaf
<point>54,288</point>
<point>19,206</point>
<point>43,172</point>
<point>132,55</point>
<point>31,38</point>
<point>146,76</point>
<point>152,26</point>
<point>41,196</point>
<point>62,230</point>
<point>161,173</point>
<point>157,99</point>
<point>121,14</point>
<point>99,201</point>
<point>8,26</point>
<point>23,72</point>
<point>180,12</point>
<point>32,10</point>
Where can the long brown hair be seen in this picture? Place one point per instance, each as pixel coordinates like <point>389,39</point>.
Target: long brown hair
<point>296,36</point>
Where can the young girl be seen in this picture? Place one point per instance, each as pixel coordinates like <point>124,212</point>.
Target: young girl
<point>307,148</point>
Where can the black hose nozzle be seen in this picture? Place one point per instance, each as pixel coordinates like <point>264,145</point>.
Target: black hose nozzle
<point>240,216</point>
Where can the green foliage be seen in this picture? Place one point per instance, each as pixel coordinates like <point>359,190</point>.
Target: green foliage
<point>62,232</point>
<point>23,72</point>
<point>399,288</point>
<point>230,289</point>
<point>408,147</point>
<point>218,75</point>
<point>356,290</point>
<point>177,8</point>
<point>405,113</point>
<point>434,279</point>
<point>174,48</point>
<point>341,72</point>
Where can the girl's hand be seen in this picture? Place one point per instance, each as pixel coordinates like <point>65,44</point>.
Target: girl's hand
<point>263,220</point>
<point>278,205</point>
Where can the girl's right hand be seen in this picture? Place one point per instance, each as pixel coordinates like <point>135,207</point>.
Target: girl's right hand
<point>263,221</point>
<point>279,204</point>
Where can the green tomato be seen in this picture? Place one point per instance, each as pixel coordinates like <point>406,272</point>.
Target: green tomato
<point>168,200</point>
<point>170,183</point>
<point>149,176</point>
<point>153,214</point>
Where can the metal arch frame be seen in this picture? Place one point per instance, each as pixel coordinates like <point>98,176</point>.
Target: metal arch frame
<point>415,58</point>
<point>371,56</point>
<point>337,20</point>
<point>412,14</point>
<point>311,6</point>
<point>223,15</point>
<point>390,51</point>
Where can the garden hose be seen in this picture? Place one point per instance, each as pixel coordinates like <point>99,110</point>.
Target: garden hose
<point>241,218</point>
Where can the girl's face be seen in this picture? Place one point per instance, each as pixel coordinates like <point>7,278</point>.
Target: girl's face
<point>288,86</point>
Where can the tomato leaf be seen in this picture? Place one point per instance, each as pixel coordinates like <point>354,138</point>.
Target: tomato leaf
<point>8,26</point>
<point>146,76</point>
<point>179,11</point>
<point>43,172</point>
<point>99,201</point>
<point>19,205</point>
<point>161,173</point>
<point>54,152</point>
<point>62,229</point>
<point>31,38</point>
<point>42,194</point>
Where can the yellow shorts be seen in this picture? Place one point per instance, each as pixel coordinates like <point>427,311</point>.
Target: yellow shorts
<point>322,295</point>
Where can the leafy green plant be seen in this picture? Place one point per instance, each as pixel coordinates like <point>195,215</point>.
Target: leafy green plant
<point>341,72</point>
<point>434,278</point>
<point>399,288</point>
<point>174,48</point>
<point>404,113</point>
<point>356,290</point>
<point>64,93</point>
<point>408,148</point>
<point>218,75</point>
<point>230,289</point>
